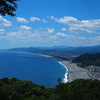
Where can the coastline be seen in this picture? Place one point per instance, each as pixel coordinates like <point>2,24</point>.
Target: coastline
<point>74,72</point>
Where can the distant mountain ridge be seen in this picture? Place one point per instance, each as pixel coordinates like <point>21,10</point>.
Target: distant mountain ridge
<point>60,49</point>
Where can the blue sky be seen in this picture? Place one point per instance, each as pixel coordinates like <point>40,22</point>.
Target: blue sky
<point>52,23</point>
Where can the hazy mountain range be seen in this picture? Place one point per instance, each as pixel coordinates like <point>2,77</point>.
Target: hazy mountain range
<point>60,49</point>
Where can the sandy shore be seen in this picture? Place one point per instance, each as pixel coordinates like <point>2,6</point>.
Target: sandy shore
<point>74,72</point>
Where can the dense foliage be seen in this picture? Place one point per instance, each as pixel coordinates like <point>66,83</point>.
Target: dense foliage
<point>80,89</point>
<point>8,7</point>
<point>88,59</point>
<point>14,89</point>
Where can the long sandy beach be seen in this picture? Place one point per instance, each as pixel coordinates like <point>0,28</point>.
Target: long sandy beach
<point>74,72</point>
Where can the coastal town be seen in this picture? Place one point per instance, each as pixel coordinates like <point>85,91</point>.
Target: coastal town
<point>94,71</point>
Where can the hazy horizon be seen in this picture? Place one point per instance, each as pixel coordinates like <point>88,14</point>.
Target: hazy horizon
<point>49,47</point>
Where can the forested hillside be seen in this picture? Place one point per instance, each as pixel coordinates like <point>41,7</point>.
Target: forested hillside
<point>88,59</point>
<point>80,89</point>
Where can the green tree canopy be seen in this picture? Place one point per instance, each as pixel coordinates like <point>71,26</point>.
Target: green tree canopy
<point>79,89</point>
<point>8,7</point>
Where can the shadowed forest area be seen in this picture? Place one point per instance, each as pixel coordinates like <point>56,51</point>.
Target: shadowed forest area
<point>80,89</point>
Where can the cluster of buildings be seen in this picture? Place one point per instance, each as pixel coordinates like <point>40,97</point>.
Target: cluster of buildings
<point>94,71</point>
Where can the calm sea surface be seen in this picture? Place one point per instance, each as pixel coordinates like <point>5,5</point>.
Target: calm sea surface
<point>36,68</point>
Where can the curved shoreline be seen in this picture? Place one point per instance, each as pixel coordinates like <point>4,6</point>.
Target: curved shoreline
<point>74,72</point>
<point>65,79</point>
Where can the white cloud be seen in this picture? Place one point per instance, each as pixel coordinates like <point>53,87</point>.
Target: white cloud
<point>61,36</point>
<point>52,17</point>
<point>33,19</point>
<point>77,30</point>
<point>63,29</point>
<point>2,30</point>
<point>5,23</point>
<point>23,27</point>
<point>49,35</point>
<point>25,33</point>
<point>79,26</point>
<point>50,30</point>
<point>66,20</point>
<point>44,20</point>
<point>91,24</point>
<point>21,20</point>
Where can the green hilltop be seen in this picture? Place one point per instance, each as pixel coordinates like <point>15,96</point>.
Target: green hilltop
<point>88,59</point>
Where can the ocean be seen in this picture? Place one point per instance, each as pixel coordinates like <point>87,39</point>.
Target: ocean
<point>39,69</point>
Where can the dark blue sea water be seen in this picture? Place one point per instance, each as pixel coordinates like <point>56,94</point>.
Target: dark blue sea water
<point>39,69</point>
